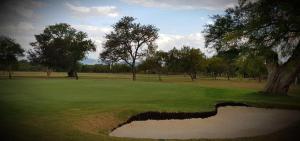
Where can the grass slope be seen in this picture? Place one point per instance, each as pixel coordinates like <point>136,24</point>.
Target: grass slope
<point>65,109</point>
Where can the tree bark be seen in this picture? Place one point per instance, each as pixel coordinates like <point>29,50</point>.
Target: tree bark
<point>280,77</point>
<point>279,81</point>
<point>133,70</point>
<point>133,75</point>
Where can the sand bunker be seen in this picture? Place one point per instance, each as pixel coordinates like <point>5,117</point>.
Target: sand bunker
<point>230,122</point>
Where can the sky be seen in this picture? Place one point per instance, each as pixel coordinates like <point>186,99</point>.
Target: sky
<point>180,22</point>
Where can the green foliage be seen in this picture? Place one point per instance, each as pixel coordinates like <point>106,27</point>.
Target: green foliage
<point>154,62</point>
<point>267,29</point>
<point>215,66</point>
<point>253,66</point>
<point>60,46</point>
<point>9,52</point>
<point>192,61</point>
<point>128,42</point>
<point>173,62</point>
<point>100,68</point>
<point>24,65</point>
<point>229,58</point>
<point>186,60</point>
<point>263,25</point>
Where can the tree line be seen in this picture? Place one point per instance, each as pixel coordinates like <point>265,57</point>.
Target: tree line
<point>188,61</point>
<point>254,38</point>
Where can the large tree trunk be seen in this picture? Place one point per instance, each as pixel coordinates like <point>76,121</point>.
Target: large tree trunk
<point>280,77</point>
<point>278,81</point>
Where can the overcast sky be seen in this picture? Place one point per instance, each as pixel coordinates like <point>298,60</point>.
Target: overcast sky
<point>180,21</point>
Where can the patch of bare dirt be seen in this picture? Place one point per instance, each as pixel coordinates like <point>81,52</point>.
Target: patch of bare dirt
<point>96,124</point>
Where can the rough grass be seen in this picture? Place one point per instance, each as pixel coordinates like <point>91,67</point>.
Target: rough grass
<point>34,108</point>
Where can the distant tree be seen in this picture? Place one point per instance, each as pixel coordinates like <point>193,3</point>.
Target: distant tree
<point>242,66</point>
<point>60,46</point>
<point>229,59</point>
<point>173,61</point>
<point>251,65</point>
<point>192,61</point>
<point>128,42</point>
<point>9,53</point>
<point>155,63</point>
<point>215,66</point>
<point>257,67</point>
<point>268,27</point>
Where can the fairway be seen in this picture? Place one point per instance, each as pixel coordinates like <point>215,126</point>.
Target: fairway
<point>87,109</point>
<point>150,70</point>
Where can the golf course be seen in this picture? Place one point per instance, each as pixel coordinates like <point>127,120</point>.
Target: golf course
<point>150,70</point>
<point>58,108</point>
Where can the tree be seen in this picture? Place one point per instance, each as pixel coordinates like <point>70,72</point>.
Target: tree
<point>173,61</point>
<point>60,47</point>
<point>155,63</point>
<point>269,28</point>
<point>191,61</point>
<point>229,58</point>
<point>9,53</point>
<point>215,66</point>
<point>251,65</point>
<point>129,41</point>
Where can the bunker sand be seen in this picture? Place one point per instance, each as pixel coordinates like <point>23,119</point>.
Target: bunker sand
<point>230,122</point>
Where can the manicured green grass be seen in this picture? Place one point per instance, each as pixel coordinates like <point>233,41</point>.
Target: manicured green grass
<point>87,109</point>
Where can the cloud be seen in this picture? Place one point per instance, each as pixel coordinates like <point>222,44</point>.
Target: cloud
<point>22,32</point>
<point>110,11</point>
<point>17,21</point>
<point>14,11</point>
<point>186,4</point>
<point>166,42</point>
<point>96,34</point>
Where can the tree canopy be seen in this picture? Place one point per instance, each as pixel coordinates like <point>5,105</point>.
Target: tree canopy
<point>192,61</point>
<point>128,42</point>
<point>9,53</point>
<point>61,46</point>
<point>266,28</point>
